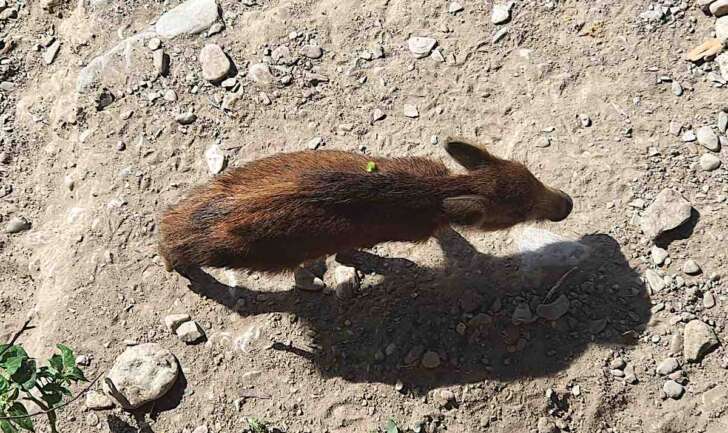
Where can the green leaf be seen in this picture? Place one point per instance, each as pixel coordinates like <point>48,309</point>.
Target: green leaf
<point>19,410</point>
<point>69,359</point>
<point>371,167</point>
<point>6,427</point>
<point>76,375</point>
<point>52,394</point>
<point>25,375</point>
<point>12,360</point>
<point>392,427</point>
<point>55,364</point>
<point>4,385</point>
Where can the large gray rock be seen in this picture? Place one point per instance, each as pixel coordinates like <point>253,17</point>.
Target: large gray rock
<point>141,374</point>
<point>698,340</point>
<point>191,17</point>
<point>669,211</point>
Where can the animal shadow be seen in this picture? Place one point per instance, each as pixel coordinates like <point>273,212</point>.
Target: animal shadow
<point>477,313</point>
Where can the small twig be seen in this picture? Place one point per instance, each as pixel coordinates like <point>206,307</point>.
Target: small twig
<point>54,408</point>
<point>17,335</point>
<point>558,284</point>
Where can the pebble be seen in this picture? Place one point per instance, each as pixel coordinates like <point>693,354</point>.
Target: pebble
<point>315,143</point>
<point>554,310</point>
<point>411,111</point>
<point>691,267</point>
<point>499,34</point>
<point>585,120</point>
<point>215,159</point>
<point>667,366</point>
<point>51,52</point>
<point>677,89</point>
<point>377,115</point>
<point>190,17</point>
<point>675,128</point>
<point>709,162</point>
<point>154,44</point>
<point>190,332</point>
<point>186,118</point>
<point>545,425</point>
<point>669,211</point>
<point>141,374</point>
<point>421,46</point>
<point>161,62</point>
<point>215,64</point>
<point>698,340</point>
<point>430,360</point>
<point>229,83</point>
<point>173,321</point>
<point>673,389</point>
<point>312,51</point>
<point>721,29</point>
<point>629,375</point>
<point>722,122</point>
<point>676,344</point>
<point>617,364</point>
<point>17,224</point>
<point>659,255</point>
<point>347,282</point>
<point>708,139</point>
<point>215,29</point>
<point>689,136</point>
<point>522,314</point>
<point>708,300</point>
<point>169,95</point>
<point>704,51</point>
<point>656,282</point>
<point>501,13</point>
<point>454,7</point>
<point>92,420</point>
<point>719,8</point>
<point>260,73</point>
<point>98,401</point>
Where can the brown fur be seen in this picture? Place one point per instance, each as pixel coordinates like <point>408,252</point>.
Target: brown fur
<point>275,213</point>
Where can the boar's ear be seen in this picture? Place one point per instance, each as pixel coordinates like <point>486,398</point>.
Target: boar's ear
<point>467,154</point>
<point>465,209</point>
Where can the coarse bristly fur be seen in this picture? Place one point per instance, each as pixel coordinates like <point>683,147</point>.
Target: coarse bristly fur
<point>277,212</point>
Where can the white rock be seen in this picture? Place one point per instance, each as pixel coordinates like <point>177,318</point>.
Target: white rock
<point>659,255</point>
<point>708,139</point>
<point>161,62</point>
<point>347,282</point>
<point>667,366</point>
<point>215,159</point>
<point>173,321</point>
<point>411,111</point>
<point>421,46</point>
<point>709,162</point>
<point>501,13</point>
<point>312,51</point>
<point>698,340</point>
<point>721,29</point>
<point>454,7</point>
<point>50,53</point>
<point>719,8</point>
<point>215,64</point>
<point>186,118</point>
<point>141,374</point>
<point>190,332</point>
<point>657,284</point>
<point>669,211</point>
<point>260,73</point>
<point>16,225</point>
<point>673,389</point>
<point>98,401</point>
<point>191,17</point>
<point>691,267</point>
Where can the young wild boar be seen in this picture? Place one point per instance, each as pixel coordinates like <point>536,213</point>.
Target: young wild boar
<point>276,213</point>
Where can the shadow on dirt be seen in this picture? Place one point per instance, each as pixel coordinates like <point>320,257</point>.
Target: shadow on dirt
<point>463,312</point>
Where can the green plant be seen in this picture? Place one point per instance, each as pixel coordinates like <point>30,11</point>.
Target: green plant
<point>256,425</point>
<point>20,378</point>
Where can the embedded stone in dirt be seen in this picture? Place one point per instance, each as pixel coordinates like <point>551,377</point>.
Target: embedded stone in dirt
<point>501,13</point>
<point>173,321</point>
<point>410,111</point>
<point>98,401</point>
<point>545,425</point>
<point>657,284</point>
<point>260,73</point>
<point>421,46</point>
<point>191,17</point>
<point>190,332</point>
<point>708,139</point>
<point>554,310</point>
<point>673,389</point>
<point>51,52</point>
<point>659,255</point>
<point>17,225</point>
<point>215,64</point>
<point>721,29</point>
<point>669,211</point>
<point>347,282</point>
<point>667,366</point>
<point>215,159</point>
<point>709,162</point>
<point>141,374</point>
<point>698,340</point>
<point>312,51</point>
<point>691,267</point>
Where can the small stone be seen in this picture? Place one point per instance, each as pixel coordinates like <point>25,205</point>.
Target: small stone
<point>411,111</point>
<point>215,29</point>
<point>719,8</point>
<point>675,128</point>
<point>377,115</point>
<point>576,390</point>
<point>689,136</point>
<point>722,122</point>
<point>141,374</point>
<point>677,89</point>
<point>260,73</point>
<point>454,7</point>
<point>698,340</point>
<point>545,425</point>
<point>501,13</point>
<point>708,300</point>
<point>709,162</point>
<point>522,314</point>
<point>17,224</point>
<point>215,159</point>
<point>186,118</point>
<point>708,49</point>
<point>92,420</point>
<point>98,401</point>
<point>215,64</point>
<point>721,29</point>
<point>554,310</point>
<point>312,51</point>
<point>282,55</point>
<point>691,267</point>
<point>708,139</point>
<point>617,364</point>
<point>190,332</point>
<point>51,52</point>
<point>421,46</point>
<point>437,56</point>
<point>629,375</point>
<point>154,44</point>
<point>445,398</point>
<point>347,282</point>
<point>669,211</point>
<point>585,120</point>
<point>229,83</point>
<point>161,62</point>
<point>659,255</point>
<point>190,17</point>
<point>169,95</point>
<point>667,366</point>
<point>657,284</point>
<point>616,373</point>
<point>173,321</point>
<point>673,389</point>
<point>430,360</point>
<point>315,143</point>
<point>499,34</point>
<point>676,344</point>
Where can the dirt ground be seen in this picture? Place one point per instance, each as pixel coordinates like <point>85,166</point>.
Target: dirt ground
<point>91,167</point>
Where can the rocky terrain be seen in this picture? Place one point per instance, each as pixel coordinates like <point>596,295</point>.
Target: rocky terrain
<point>613,321</point>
